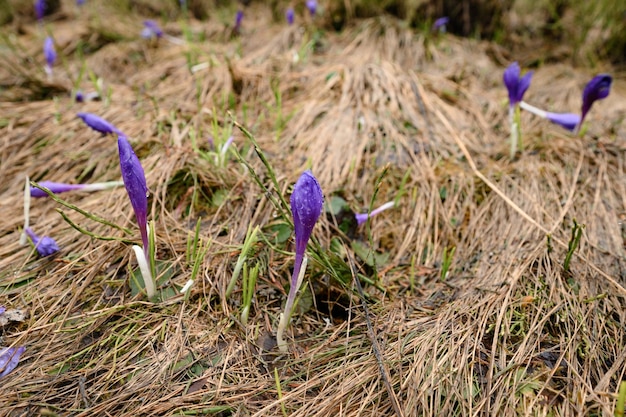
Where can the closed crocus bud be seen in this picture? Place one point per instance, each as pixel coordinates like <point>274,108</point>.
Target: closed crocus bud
<point>362,217</point>
<point>45,245</point>
<point>290,15</point>
<point>151,30</point>
<point>9,358</point>
<point>307,202</point>
<point>49,51</point>
<point>440,24</point>
<point>135,183</point>
<point>311,5</point>
<point>40,9</point>
<point>98,124</point>
<point>515,84</point>
<point>597,89</point>
<point>60,187</point>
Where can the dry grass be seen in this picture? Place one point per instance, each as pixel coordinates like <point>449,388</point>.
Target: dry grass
<point>508,333</point>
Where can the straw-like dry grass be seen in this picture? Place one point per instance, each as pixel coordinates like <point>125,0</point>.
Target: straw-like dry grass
<point>509,332</point>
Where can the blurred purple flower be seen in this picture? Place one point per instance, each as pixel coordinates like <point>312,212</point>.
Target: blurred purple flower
<point>136,187</point>
<point>80,2</point>
<point>9,358</point>
<point>515,84</point>
<point>45,245</point>
<point>40,9</point>
<point>362,217</point>
<point>49,53</point>
<point>59,187</point>
<point>151,30</point>
<point>440,24</point>
<point>98,124</point>
<point>2,310</point>
<point>290,15</point>
<point>238,21</point>
<point>311,5</point>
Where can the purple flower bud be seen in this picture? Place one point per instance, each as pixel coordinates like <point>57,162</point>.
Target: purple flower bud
<point>98,124</point>
<point>238,20</point>
<point>80,97</point>
<point>307,201</point>
<point>290,15</point>
<point>2,310</point>
<point>60,187</point>
<point>45,245</point>
<point>311,5</point>
<point>40,9</point>
<point>135,183</point>
<point>596,89</point>
<point>151,30</point>
<point>362,217</point>
<point>9,358</point>
<point>49,51</point>
<point>440,24</point>
<point>80,2</point>
<point>515,85</point>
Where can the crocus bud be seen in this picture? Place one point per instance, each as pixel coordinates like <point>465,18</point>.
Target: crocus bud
<point>290,15</point>
<point>238,21</point>
<point>9,358</point>
<point>311,5</point>
<point>307,202</point>
<point>59,187</point>
<point>515,84</point>
<point>40,9</point>
<point>49,53</point>
<point>151,30</point>
<point>98,124</point>
<point>136,188</point>
<point>362,217</point>
<point>440,24</point>
<point>45,245</point>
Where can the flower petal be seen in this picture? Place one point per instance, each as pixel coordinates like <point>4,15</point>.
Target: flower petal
<point>567,120</point>
<point>597,89</point>
<point>9,358</point>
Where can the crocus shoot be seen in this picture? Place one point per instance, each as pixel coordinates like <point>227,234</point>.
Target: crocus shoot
<point>597,88</point>
<point>59,187</point>
<point>362,217</point>
<point>516,87</point>
<point>307,201</point>
<point>50,54</point>
<point>45,245</point>
<point>137,190</point>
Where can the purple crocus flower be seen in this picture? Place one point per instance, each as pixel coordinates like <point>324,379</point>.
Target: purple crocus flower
<point>40,9</point>
<point>362,217</point>
<point>290,15</point>
<point>80,2</point>
<point>515,84</point>
<point>45,245</point>
<point>60,187</point>
<point>440,24</point>
<point>307,202</point>
<point>9,358</point>
<point>98,124</point>
<point>2,310</point>
<point>311,5</point>
<point>151,30</point>
<point>136,187</point>
<point>49,53</point>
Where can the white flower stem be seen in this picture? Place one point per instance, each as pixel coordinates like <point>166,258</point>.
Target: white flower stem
<point>145,271</point>
<point>286,315</point>
<point>26,211</point>
<point>102,185</point>
<point>534,110</point>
